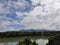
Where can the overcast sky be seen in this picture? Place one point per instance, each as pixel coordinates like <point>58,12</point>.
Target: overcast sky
<point>29,14</point>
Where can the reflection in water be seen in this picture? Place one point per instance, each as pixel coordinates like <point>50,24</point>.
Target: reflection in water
<point>2,43</point>
<point>42,41</point>
<point>9,43</point>
<point>39,41</point>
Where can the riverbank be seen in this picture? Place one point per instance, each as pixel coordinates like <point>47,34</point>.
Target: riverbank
<point>16,39</point>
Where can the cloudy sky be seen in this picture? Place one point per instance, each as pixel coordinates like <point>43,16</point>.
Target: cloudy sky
<point>29,14</point>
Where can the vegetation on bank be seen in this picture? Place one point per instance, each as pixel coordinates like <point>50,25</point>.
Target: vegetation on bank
<point>21,37</point>
<point>17,39</point>
<point>54,40</point>
<point>20,34</point>
<point>27,41</point>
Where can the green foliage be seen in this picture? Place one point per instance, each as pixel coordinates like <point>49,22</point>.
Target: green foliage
<point>34,43</point>
<point>54,40</point>
<point>19,34</point>
<point>27,41</point>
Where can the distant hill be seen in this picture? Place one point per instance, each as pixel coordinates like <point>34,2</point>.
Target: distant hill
<point>35,30</point>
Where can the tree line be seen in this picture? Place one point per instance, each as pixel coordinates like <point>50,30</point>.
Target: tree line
<point>19,34</point>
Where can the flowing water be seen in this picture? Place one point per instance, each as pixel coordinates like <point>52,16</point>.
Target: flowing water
<point>38,41</point>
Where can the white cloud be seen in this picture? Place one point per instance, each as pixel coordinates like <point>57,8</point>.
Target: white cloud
<point>43,17</point>
<point>6,8</point>
<point>57,5</point>
<point>2,10</point>
<point>40,17</point>
<point>35,2</point>
<point>36,11</point>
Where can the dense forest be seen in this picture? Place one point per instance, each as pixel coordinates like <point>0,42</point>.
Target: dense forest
<point>20,33</point>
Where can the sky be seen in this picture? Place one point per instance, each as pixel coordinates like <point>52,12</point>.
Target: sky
<point>29,14</point>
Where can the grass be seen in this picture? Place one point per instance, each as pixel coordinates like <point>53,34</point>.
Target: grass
<point>16,39</point>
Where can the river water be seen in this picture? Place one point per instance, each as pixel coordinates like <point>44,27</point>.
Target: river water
<point>38,41</point>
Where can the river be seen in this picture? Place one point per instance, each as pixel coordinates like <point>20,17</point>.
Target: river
<point>38,41</point>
